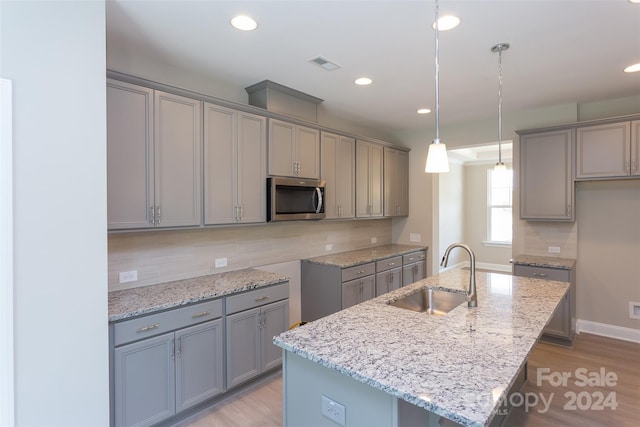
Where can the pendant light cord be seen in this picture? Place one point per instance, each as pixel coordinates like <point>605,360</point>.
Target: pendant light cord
<point>500,105</point>
<point>437,140</point>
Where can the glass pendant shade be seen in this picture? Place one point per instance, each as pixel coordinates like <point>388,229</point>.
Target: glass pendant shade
<point>500,167</point>
<point>437,159</point>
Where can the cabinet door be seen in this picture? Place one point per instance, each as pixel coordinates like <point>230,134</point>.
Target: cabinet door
<point>275,320</point>
<point>220,164</point>
<point>308,152</point>
<point>129,156</point>
<point>281,143</point>
<point>144,381</point>
<point>388,281</point>
<point>243,346</point>
<point>338,172</point>
<point>198,363</point>
<point>603,151</point>
<point>396,182</point>
<point>252,162</point>
<point>546,182</point>
<point>635,147</point>
<point>359,290</point>
<point>178,146</point>
<point>411,273</point>
<point>368,179</point>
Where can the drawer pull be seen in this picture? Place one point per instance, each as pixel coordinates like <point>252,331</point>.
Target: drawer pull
<point>360,272</point>
<point>411,258</point>
<point>539,275</point>
<point>148,328</point>
<point>262,298</point>
<point>391,264</point>
<point>201,314</point>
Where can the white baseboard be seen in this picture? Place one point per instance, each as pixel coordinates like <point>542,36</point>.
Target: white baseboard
<point>610,331</point>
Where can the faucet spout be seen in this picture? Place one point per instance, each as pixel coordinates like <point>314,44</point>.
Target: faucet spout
<point>472,296</point>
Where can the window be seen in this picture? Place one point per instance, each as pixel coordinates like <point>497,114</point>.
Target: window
<point>499,203</point>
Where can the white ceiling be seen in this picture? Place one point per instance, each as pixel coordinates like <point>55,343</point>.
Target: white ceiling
<point>565,51</point>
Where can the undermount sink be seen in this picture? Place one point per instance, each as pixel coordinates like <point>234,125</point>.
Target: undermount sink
<point>431,301</point>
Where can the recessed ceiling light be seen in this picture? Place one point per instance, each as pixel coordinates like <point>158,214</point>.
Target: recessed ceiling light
<point>244,23</point>
<point>635,67</point>
<point>424,111</point>
<point>363,81</point>
<point>634,1</point>
<point>447,22</point>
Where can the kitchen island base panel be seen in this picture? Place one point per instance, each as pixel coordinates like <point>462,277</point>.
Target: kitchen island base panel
<point>305,382</point>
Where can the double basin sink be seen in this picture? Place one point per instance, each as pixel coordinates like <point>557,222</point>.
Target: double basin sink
<point>431,301</point>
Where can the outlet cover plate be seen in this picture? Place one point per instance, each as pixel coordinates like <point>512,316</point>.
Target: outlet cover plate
<point>334,411</point>
<point>221,262</point>
<point>554,249</point>
<point>128,276</point>
<point>415,237</point>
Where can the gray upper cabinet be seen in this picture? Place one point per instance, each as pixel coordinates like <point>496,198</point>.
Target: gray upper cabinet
<point>178,147</point>
<point>604,151</point>
<point>396,182</point>
<point>234,166</point>
<point>154,149</point>
<point>129,155</point>
<point>369,179</point>
<point>293,150</point>
<point>338,172</point>
<point>546,177</point>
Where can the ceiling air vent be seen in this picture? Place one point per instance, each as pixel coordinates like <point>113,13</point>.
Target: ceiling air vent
<point>324,63</point>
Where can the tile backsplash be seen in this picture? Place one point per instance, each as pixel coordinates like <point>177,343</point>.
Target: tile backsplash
<point>165,255</point>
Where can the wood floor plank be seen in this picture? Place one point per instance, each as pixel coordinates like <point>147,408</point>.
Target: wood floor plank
<point>261,406</point>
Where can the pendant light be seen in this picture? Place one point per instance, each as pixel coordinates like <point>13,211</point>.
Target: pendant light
<point>437,160</point>
<point>500,47</point>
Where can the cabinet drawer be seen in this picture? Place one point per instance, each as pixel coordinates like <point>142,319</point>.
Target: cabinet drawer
<point>413,257</point>
<point>542,273</point>
<point>257,297</point>
<point>358,271</point>
<point>154,324</point>
<point>388,264</point>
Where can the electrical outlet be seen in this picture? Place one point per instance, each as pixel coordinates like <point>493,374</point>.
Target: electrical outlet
<point>221,262</point>
<point>334,411</point>
<point>374,240</point>
<point>128,276</point>
<point>554,249</point>
<point>634,310</point>
<point>328,247</point>
<point>415,237</point>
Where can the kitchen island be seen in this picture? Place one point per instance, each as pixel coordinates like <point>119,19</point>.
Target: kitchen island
<point>379,365</point>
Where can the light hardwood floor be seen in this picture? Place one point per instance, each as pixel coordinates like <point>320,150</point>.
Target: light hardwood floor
<point>261,406</point>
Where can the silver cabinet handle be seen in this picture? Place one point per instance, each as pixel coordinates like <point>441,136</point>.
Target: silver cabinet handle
<point>152,217</point>
<point>179,350</point>
<point>391,264</point>
<point>201,314</point>
<point>262,298</point>
<point>148,328</point>
<point>158,212</point>
<point>539,275</point>
<point>360,272</point>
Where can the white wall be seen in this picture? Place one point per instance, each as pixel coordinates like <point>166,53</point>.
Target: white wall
<point>452,203</point>
<point>54,52</point>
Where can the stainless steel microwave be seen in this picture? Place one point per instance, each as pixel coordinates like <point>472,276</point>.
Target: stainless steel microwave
<point>291,199</point>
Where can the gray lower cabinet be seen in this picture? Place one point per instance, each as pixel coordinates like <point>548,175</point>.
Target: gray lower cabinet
<point>252,322</point>
<point>414,267</point>
<point>358,290</point>
<point>561,327</point>
<point>389,275</point>
<point>159,376</point>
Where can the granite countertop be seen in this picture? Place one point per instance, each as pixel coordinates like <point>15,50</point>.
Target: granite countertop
<point>363,256</point>
<point>544,261</point>
<point>457,365</point>
<point>127,303</point>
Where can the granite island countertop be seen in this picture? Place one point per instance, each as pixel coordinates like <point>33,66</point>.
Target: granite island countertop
<point>544,261</point>
<point>363,256</point>
<point>127,303</point>
<point>458,365</point>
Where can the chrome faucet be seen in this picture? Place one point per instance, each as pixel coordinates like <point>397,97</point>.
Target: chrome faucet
<point>472,296</point>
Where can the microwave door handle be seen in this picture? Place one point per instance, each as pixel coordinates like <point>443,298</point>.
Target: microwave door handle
<point>319,193</point>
